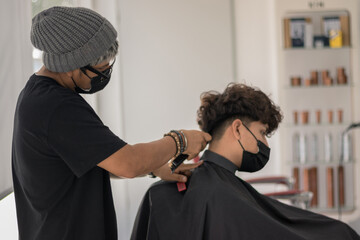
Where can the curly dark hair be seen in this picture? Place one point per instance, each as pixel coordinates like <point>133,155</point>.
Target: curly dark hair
<point>238,101</point>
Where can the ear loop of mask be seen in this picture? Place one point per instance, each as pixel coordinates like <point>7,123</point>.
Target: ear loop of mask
<point>251,134</point>
<point>86,90</point>
<point>241,145</point>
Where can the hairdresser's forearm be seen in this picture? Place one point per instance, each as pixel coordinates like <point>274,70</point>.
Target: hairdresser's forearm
<point>135,160</point>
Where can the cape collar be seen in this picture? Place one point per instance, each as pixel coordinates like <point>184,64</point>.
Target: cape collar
<point>219,160</point>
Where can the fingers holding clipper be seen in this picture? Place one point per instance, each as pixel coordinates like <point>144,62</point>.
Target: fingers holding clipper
<point>178,177</point>
<point>186,173</point>
<point>187,167</point>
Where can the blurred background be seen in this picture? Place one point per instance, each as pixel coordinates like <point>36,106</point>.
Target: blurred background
<point>303,53</point>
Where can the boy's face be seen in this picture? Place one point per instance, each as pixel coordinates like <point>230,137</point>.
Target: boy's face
<point>248,140</point>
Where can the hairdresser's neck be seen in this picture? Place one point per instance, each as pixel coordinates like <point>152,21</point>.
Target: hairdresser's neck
<point>61,78</point>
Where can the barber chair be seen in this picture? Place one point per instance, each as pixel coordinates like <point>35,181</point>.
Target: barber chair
<point>298,198</point>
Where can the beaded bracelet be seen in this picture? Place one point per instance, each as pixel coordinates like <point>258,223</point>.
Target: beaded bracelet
<point>175,137</point>
<point>182,147</point>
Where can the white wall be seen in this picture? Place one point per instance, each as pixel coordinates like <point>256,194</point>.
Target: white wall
<point>171,51</point>
<point>256,44</point>
<point>256,57</point>
<point>15,69</point>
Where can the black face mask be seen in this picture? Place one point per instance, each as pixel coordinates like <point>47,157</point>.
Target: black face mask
<point>98,82</point>
<point>253,162</point>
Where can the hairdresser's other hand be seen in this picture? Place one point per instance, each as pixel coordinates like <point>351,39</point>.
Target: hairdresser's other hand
<point>181,173</point>
<point>196,142</point>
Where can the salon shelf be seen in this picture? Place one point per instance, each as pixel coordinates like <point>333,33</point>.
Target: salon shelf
<point>318,49</point>
<point>301,62</point>
<point>319,87</point>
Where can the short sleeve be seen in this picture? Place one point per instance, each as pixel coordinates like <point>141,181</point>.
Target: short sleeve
<point>79,137</point>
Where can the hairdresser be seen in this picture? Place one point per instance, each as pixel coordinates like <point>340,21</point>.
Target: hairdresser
<point>62,152</point>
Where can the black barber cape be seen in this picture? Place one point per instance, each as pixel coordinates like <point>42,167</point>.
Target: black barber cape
<point>218,205</point>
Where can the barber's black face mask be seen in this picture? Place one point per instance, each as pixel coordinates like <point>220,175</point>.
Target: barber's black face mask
<point>253,162</point>
<point>98,82</point>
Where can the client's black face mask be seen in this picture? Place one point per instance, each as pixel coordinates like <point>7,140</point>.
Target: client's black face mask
<point>253,162</point>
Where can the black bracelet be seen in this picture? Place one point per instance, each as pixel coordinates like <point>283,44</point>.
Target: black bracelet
<point>185,140</point>
<point>177,143</point>
<point>182,147</point>
<point>152,175</point>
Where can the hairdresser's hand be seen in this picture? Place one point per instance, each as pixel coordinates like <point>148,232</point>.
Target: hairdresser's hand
<point>197,141</point>
<point>180,175</point>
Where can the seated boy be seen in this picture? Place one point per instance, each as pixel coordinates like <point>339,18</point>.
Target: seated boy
<point>219,205</point>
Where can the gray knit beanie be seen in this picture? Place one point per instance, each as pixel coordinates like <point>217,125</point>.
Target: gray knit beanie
<point>71,37</point>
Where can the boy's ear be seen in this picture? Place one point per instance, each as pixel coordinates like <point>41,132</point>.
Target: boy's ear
<point>235,128</point>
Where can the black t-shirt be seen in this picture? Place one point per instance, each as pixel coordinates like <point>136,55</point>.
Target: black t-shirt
<point>58,141</point>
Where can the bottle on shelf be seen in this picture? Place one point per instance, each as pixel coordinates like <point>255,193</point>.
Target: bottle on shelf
<point>306,179</point>
<point>303,140</point>
<point>295,81</point>
<point>309,32</point>
<point>330,116</point>
<point>324,75</point>
<point>335,38</point>
<point>295,140</point>
<point>314,78</point>
<point>310,183</point>
<point>305,117</point>
<point>341,76</point>
<point>345,142</point>
<point>303,148</point>
<point>314,147</point>
<point>341,139</point>
<point>330,187</point>
<point>326,79</point>
<point>313,185</point>
<point>314,140</point>
<point>340,115</point>
<point>341,182</point>
<point>318,116</point>
<point>328,147</point>
<point>328,141</point>
<point>307,82</point>
<point>295,146</point>
<point>296,177</point>
<point>347,148</point>
<point>296,116</point>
